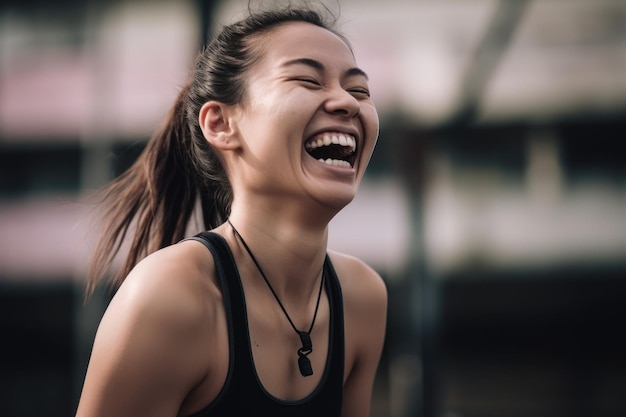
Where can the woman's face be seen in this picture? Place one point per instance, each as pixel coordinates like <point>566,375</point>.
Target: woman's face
<point>308,125</point>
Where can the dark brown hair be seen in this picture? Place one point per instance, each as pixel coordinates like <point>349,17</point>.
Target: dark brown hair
<point>150,205</point>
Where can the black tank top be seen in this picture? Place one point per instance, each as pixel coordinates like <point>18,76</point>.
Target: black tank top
<point>242,393</point>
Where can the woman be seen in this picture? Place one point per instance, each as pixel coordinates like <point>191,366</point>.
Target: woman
<point>272,137</point>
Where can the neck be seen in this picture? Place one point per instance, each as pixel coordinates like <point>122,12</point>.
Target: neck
<point>290,251</point>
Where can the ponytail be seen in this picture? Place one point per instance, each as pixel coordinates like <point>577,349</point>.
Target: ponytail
<point>151,204</point>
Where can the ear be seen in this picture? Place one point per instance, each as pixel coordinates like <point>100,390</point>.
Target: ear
<point>218,126</point>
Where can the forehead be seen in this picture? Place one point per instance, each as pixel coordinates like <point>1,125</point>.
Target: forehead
<point>304,40</point>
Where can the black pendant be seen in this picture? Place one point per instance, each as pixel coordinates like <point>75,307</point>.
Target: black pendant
<point>304,363</point>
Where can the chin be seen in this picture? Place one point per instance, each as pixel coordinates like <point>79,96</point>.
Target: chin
<point>337,201</point>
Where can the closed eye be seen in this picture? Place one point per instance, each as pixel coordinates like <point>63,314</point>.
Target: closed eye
<point>311,81</point>
<point>359,91</point>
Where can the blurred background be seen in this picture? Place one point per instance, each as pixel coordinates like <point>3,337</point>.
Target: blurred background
<point>494,206</point>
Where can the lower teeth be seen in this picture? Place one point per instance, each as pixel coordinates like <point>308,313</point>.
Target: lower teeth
<point>336,162</point>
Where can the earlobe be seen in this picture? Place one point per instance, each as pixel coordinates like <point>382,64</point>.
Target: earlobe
<point>216,126</point>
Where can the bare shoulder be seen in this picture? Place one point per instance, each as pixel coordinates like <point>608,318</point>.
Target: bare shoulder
<point>169,296</point>
<point>176,282</point>
<point>360,283</point>
<point>157,336</point>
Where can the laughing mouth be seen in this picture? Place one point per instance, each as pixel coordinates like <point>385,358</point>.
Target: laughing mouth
<point>333,148</point>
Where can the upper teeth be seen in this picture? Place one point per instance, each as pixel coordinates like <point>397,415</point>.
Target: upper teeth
<point>332,138</point>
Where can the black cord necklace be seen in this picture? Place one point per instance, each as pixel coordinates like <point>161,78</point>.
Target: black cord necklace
<point>304,363</point>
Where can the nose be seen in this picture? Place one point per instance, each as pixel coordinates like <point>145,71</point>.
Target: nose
<point>340,102</point>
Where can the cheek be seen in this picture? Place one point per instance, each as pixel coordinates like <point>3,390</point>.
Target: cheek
<point>285,109</point>
<point>371,122</point>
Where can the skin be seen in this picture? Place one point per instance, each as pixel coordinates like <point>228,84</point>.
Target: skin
<point>162,347</point>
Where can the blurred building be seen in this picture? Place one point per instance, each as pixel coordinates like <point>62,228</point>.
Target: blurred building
<point>494,207</point>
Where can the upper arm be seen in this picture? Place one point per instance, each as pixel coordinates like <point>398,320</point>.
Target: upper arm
<point>138,365</point>
<point>365,317</point>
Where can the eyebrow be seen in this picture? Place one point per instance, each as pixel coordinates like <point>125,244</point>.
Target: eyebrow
<point>320,67</point>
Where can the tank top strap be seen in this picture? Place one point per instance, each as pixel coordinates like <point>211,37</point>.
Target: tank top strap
<point>234,303</point>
